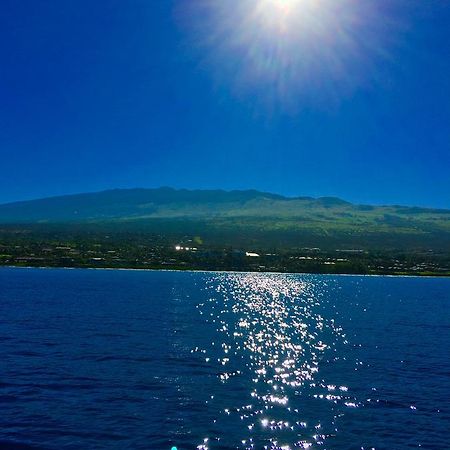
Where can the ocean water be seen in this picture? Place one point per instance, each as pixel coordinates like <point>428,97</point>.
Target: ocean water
<point>94,359</point>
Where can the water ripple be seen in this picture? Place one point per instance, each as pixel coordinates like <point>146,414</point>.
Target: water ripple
<point>272,332</point>
<point>113,360</point>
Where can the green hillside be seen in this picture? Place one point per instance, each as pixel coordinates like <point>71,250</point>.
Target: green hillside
<point>238,218</point>
<point>214,230</point>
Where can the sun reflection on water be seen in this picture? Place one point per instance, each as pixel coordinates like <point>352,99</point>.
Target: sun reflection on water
<point>272,336</point>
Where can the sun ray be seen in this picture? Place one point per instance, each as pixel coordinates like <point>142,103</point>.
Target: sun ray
<point>287,50</point>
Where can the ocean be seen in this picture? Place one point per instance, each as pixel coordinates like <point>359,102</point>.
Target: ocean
<point>117,359</point>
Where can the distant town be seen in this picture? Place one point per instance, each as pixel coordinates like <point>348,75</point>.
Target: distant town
<point>160,252</point>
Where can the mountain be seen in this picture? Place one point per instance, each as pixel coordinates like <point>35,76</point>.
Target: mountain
<point>159,203</point>
<point>250,215</point>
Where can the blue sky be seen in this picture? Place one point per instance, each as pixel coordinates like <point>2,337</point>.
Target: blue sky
<point>106,94</point>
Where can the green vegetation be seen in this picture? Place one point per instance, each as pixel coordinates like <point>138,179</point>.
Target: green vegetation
<point>141,228</point>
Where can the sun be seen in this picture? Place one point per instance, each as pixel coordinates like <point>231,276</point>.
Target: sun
<point>281,15</point>
<point>283,52</point>
<point>283,6</point>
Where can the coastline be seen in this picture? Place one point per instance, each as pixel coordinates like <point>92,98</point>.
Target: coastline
<point>134,269</point>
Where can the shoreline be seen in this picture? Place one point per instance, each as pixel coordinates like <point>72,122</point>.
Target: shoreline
<point>394,275</point>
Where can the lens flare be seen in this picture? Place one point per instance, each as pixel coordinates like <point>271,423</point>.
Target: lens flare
<point>289,50</point>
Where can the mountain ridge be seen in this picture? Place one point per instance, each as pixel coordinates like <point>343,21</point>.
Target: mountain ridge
<point>243,219</point>
<point>116,203</point>
<point>167,189</point>
<point>138,203</point>
<point>237,217</point>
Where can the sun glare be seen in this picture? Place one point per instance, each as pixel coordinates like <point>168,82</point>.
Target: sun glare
<point>281,6</point>
<point>282,15</point>
<point>290,49</point>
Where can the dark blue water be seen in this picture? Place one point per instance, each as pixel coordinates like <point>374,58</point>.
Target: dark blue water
<point>151,360</point>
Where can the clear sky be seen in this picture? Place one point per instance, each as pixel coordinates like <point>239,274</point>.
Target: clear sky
<point>298,97</point>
